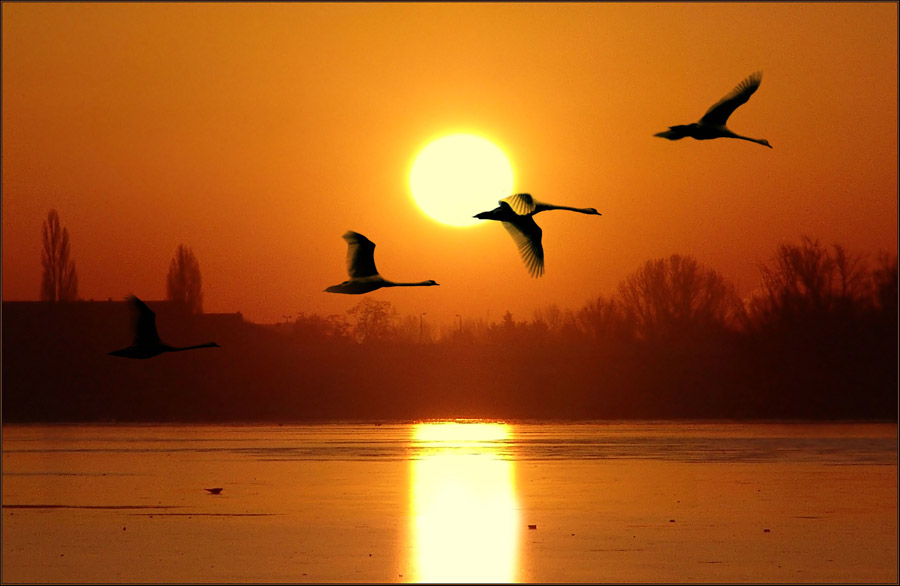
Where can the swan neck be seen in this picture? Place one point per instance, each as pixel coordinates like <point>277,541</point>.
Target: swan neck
<point>179,349</point>
<point>418,284</point>
<point>571,209</point>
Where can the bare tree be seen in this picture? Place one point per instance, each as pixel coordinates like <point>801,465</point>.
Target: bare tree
<point>806,281</point>
<point>314,327</point>
<point>375,320</point>
<point>604,320</point>
<point>556,319</point>
<point>677,296</point>
<point>184,285</point>
<point>560,324</point>
<point>884,282</point>
<point>59,281</point>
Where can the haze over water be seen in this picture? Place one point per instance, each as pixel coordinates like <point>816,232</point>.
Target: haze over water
<point>451,501</point>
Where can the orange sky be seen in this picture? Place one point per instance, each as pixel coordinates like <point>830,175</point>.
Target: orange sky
<point>257,134</point>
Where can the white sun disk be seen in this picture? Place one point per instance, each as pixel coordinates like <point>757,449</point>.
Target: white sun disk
<point>458,176</point>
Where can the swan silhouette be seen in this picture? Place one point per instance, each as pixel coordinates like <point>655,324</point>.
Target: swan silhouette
<point>364,276</point>
<point>516,213</point>
<point>146,340</point>
<point>712,125</point>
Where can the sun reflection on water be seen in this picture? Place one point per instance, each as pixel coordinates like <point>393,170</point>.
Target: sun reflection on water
<point>465,513</point>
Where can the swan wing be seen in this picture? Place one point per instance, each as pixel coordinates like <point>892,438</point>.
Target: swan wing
<point>527,236</point>
<point>718,114</point>
<point>521,203</point>
<point>360,255</point>
<point>145,323</point>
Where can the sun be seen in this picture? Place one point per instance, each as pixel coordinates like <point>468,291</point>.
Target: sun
<point>458,176</point>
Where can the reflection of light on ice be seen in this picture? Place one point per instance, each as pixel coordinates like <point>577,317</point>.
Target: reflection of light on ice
<point>453,434</point>
<point>464,504</point>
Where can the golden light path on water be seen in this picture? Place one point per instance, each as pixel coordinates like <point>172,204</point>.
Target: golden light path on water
<point>465,511</point>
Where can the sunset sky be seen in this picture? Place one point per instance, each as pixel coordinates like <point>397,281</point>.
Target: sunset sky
<point>257,134</point>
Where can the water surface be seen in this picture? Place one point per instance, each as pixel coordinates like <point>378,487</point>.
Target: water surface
<point>452,502</point>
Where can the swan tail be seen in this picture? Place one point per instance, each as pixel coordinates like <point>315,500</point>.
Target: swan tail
<point>673,133</point>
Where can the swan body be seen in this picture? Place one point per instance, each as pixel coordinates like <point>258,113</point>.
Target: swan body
<point>516,213</point>
<point>712,125</point>
<point>364,277</point>
<point>525,233</point>
<point>146,339</point>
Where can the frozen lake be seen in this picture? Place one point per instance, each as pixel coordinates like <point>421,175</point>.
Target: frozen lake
<point>451,502</point>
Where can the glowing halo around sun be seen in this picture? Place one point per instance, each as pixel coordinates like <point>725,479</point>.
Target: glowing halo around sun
<point>458,176</point>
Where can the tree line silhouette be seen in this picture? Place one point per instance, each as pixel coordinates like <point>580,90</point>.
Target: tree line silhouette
<point>59,278</point>
<point>817,339</point>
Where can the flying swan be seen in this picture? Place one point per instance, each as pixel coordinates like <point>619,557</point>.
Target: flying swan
<point>712,125</point>
<point>364,276</point>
